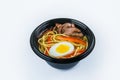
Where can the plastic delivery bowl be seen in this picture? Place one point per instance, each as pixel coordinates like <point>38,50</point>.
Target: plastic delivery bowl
<point>62,63</point>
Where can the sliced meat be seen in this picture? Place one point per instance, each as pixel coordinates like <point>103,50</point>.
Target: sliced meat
<point>77,35</point>
<point>73,32</point>
<point>68,29</point>
<point>58,27</point>
<point>66,26</point>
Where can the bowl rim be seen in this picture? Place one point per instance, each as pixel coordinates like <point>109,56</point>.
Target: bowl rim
<point>62,61</point>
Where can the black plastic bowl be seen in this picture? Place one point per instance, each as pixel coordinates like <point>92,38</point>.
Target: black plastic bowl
<point>62,63</point>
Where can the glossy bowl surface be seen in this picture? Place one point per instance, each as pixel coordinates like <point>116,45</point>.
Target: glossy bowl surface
<point>62,63</point>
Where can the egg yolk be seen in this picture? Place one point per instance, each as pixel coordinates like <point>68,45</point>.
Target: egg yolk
<point>62,48</point>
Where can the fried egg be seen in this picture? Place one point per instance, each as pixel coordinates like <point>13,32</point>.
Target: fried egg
<point>61,49</point>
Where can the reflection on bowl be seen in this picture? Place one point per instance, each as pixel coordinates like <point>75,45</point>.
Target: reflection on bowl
<point>62,63</point>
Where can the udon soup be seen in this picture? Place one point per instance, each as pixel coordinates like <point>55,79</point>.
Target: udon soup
<point>63,41</point>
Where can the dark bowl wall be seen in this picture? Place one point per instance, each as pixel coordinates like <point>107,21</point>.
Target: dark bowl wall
<point>60,63</point>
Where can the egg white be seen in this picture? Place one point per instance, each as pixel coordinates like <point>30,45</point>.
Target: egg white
<point>53,53</point>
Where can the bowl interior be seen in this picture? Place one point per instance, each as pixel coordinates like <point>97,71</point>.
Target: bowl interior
<point>51,23</point>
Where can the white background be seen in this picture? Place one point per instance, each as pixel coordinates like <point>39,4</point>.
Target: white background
<point>18,18</point>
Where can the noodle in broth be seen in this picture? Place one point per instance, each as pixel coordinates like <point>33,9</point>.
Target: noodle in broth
<point>50,37</point>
